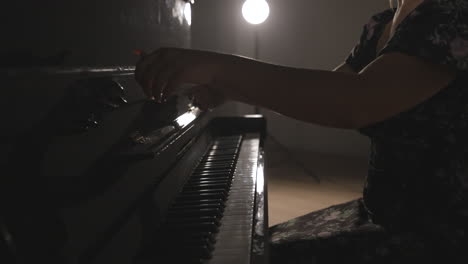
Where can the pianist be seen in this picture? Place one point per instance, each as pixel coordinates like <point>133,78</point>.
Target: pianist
<point>405,86</point>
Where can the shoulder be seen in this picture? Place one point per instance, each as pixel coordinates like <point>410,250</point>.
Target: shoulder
<point>441,11</point>
<point>436,30</point>
<point>445,5</point>
<point>362,52</point>
<point>382,16</point>
<point>376,20</point>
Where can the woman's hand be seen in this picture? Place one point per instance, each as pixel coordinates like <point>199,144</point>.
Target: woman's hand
<point>163,71</point>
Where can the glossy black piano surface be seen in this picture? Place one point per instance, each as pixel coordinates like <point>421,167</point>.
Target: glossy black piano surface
<point>88,32</point>
<point>92,171</point>
<point>95,173</point>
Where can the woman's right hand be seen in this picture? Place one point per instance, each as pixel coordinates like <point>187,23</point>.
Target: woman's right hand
<point>161,72</point>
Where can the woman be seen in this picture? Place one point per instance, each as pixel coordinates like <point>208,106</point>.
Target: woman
<point>405,86</point>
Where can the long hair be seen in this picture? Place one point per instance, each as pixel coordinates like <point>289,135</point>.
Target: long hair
<point>391,3</point>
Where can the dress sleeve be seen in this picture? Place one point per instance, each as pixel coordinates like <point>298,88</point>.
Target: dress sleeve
<point>437,31</point>
<point>361,54</point>
<point>364,51</point>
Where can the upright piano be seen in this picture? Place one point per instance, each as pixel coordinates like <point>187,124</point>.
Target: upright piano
<point>94,172</point>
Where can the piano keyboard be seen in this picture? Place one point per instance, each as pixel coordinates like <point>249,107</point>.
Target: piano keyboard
<point>210,220</point>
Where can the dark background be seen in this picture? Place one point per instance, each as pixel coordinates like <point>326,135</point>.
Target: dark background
<point>88,32</point>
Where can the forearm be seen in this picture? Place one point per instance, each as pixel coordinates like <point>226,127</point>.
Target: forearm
<point>322,97</point>
<point>389,85</point>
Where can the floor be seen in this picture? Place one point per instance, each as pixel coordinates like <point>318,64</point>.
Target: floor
<point>299,183</point>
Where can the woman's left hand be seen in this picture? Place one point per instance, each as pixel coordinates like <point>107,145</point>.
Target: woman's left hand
<point>161,72</point>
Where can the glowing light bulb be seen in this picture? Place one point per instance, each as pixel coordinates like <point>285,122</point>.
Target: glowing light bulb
<point>188,13</point>
<point>255,11</point>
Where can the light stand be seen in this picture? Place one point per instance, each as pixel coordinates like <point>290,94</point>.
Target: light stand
<point>256,57</point>
<point>256,12</point>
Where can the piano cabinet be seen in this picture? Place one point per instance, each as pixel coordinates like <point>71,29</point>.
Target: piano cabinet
<point>95,173</point>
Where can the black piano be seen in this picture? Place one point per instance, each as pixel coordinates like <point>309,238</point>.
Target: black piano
<point>94,172</point>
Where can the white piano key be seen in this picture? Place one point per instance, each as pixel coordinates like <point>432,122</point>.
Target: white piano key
<point>235,233</point>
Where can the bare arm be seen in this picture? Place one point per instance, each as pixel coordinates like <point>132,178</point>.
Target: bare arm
<point>389,85</point>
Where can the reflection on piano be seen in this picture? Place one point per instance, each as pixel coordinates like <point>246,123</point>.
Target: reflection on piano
<point>97,174</point>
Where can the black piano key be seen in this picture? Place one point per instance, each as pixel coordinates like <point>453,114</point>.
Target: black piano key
<point>216,193</point>
<point>197,201</point>
<point>212,166</point>
<point>197,197</point>
<point>196,231</point>
<point>198,215</point>
<point>220,152</point>
<point>220,140</point>
<point>232,144</point>
<point>193,220</point>
<point>225,171</point>
<point>208,226</point>
<point>189,203</point>
<point>216,164</point>
<point>224,159</point>
<point>193,213</point>
<point>194,227</point>
<point>205,191</point>
<point>193,206</point>
<point>200,186</point>
<point>225,146</point>
<point>212,218</point>
<point>205,179</point>
<point>196,212</point>
<point>200,181</point>
<point>226,138</point>
<point>206,186</point>
<point>219,158</point>
<point>208,174</point>
<point>213,174</point>
<point>222,170</point>
<point>209,162</point>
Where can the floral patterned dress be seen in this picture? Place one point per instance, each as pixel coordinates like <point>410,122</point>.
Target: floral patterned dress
<point>415,202</point>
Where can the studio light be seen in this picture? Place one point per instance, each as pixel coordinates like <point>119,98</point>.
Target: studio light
<point>255,11</point>
<point>188,13</point>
